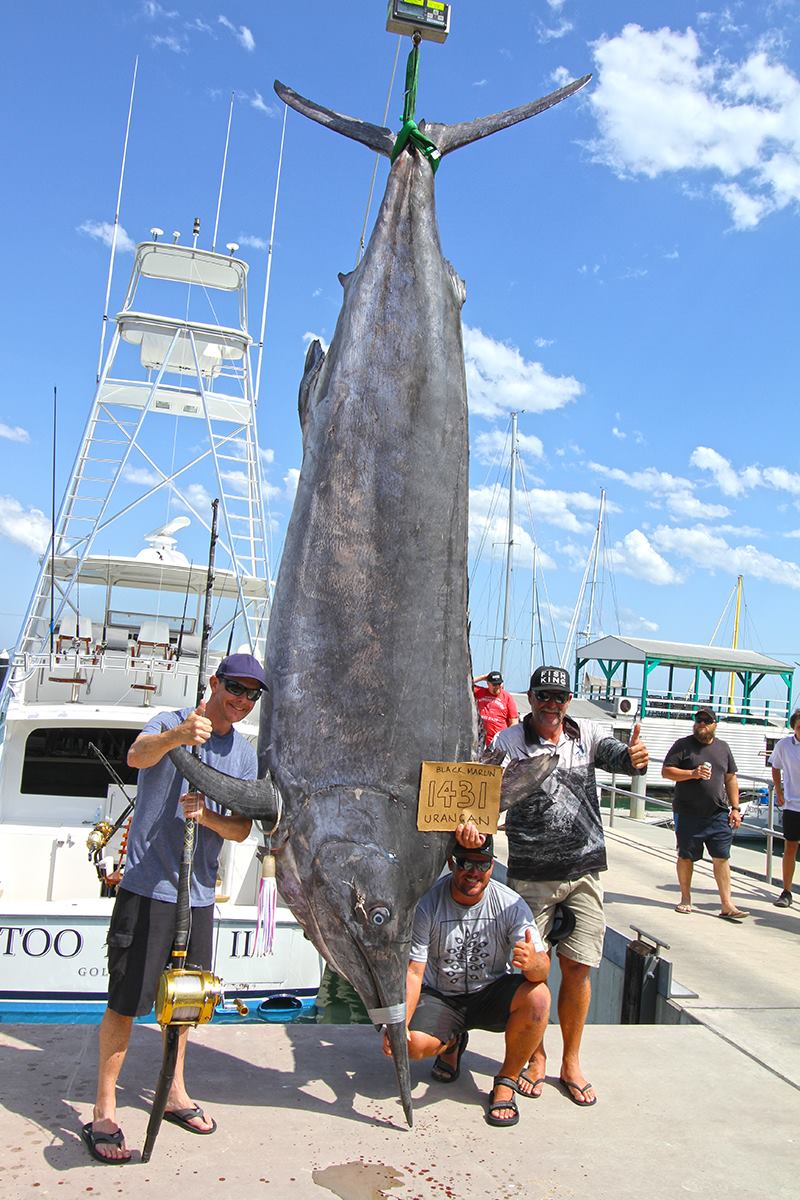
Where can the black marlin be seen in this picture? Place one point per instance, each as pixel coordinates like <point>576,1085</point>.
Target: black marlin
<point>367,654</point>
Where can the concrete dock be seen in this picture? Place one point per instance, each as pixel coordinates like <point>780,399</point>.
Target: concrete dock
<point>711,1109</point>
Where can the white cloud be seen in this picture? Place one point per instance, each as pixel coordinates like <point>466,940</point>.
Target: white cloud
<point>541,343</point>
<point>258,102</point>
<point>250,239</point>
<point>170,41</point>
<point>489,446</point>
<point>290,482</point>
<point>480,83</point>
<point>140,475</point>
<point>729,481</point>
<point>27,526</point>
<point>267,454</point>
<point>238,480</point>
<point>103,231</point>
<point>554,32</point>
<point>488,526</point>
<point>635,555</point>
<point>662,107</point>
<point>14,433</point>
<point>677,493</point>
<point>705,548</point>
<point>500,380</point>
<point>631,623</point>
<point>197,496</point>
<point>617,433</point>
<point>153,11</point>
<point>242,34</point>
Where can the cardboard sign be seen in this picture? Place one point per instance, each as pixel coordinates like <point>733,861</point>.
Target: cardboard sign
<point>452,793</point>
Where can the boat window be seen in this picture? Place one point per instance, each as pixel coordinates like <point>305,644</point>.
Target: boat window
<point>58,762</point>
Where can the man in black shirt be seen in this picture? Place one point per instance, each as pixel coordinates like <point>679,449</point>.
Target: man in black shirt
<point>706,808</point>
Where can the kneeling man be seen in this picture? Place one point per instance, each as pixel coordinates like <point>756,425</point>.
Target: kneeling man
<point>470,932</point>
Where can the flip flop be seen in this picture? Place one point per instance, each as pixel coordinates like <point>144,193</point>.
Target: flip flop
<point>524,1074</point>
<point>442,1071</point>
<point>499,1105</point>
<point>567,1087</point>
<point>737,916</point>
<point>93,1140</point>
<point>183,1116</point>
<point>683,908</point>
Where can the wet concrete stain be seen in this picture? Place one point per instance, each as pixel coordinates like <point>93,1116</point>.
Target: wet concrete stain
<point>358,1180</point>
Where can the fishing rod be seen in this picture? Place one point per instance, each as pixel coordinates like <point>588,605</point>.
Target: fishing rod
<point>186,995</point>
<point>183,614</point>
<point>103,831</point>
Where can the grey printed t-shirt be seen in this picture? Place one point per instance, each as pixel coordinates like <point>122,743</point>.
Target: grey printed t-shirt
<point>155,842</point>
<point>465,948</point>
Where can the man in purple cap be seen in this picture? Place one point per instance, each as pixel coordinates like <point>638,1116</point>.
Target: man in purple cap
<point>143,921</point>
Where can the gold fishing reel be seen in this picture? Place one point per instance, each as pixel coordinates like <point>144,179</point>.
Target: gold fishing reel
<point>99,838</point>
<point>187,996</point>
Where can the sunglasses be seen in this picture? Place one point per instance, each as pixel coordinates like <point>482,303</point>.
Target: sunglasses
<point>238,689</point>
<point>704,721</point>
<point>559,697</point>
<point>466,864</point>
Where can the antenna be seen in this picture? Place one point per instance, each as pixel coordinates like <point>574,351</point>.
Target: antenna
<point>269,262</point>
<point>195,232</point>
<point>176,234</point>
<point>156,233</point>
<point>231,247</point>
<point>222,175</point>
<point>115,232</point>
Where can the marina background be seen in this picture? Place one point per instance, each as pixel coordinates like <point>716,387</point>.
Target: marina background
<point>628,259</point>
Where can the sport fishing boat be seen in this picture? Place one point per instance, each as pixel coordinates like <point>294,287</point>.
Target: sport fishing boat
<point>109,639</point>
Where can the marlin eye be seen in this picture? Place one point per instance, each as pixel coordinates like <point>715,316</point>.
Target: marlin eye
<point>379,915</point>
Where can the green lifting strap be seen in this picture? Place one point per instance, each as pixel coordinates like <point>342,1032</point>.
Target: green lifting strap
<point>411,131</point>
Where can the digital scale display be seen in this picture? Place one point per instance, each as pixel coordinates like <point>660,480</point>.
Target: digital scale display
<point>429,18</point>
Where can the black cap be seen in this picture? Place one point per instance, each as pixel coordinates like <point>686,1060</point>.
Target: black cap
<point>706,712</point>
<point>494,677</point>
<point>545,678</point>
<point>484,852</point>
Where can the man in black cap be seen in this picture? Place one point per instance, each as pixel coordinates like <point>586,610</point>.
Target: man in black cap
<point>497,708</point>
<point>556,851</point>
<point>143,921</point>
<point>477,962</point>
<point>706,808</point>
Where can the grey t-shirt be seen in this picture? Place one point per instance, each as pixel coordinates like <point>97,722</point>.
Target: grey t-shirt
<point>465,948</point>
<point>155,842</point>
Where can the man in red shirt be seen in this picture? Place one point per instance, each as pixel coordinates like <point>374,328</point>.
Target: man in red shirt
<point>496,707</point>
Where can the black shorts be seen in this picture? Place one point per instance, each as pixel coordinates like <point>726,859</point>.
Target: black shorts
<point>714,832</point>
<point>139,943</point>
<point>790,823</point>
<point>445,1017</point>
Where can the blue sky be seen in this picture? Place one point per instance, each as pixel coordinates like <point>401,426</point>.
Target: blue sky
<point>630,260</point>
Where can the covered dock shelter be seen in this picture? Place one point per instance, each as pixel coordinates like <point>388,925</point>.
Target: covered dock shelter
<point>615,655</point>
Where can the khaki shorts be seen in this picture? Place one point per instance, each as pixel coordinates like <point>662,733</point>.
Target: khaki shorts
<point>584,898</point>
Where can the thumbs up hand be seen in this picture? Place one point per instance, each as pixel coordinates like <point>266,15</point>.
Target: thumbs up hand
<point>196,729</point>
<point>525,952</point>
<point>637,751</point>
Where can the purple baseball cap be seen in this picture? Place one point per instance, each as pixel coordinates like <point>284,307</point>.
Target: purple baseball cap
<point>241,666</point>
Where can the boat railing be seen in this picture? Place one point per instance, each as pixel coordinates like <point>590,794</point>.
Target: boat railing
<point>682,707</point>
<point>749,795</point>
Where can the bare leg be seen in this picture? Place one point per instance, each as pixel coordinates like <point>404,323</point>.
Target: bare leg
<point>527,1021</point>
<point>178,1096</point>
<point>573,1006</point>
<point>537,1064</point>
<point>789,859</point>
<point>722,875</point>
<point>685,871</point>
<point>113,1037</point>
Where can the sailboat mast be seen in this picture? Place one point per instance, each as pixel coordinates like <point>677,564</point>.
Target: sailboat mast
<point>533,612</point>
<point>587,632</point>
<point>510,544</point>
<point>735,643</point>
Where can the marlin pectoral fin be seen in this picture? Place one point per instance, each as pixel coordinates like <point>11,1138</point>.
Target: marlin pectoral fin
<point>374,136</point>
<point>452,137</point>
<point>254,798</point>
<point>524,777</point>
